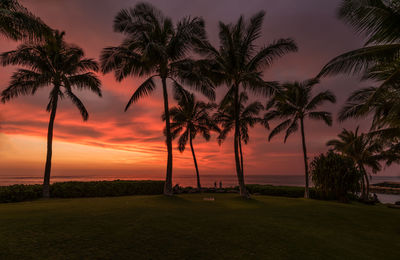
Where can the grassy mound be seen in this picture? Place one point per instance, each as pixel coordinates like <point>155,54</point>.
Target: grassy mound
<point>188,227</point>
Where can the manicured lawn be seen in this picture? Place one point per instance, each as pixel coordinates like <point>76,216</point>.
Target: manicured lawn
<point>187,227</point>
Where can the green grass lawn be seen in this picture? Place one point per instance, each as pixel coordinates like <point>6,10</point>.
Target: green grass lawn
<point>187,227</point>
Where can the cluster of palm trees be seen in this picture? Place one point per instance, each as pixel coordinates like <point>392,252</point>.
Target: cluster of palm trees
<point>156,48</point>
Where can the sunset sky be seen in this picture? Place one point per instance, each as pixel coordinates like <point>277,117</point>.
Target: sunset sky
<point>118,143</point>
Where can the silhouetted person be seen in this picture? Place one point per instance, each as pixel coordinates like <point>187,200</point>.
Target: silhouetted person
<point>220,184</point>
<point>215,184</point>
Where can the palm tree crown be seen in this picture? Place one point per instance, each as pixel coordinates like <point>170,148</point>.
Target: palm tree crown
<point>238,63</point>
<point>154,47</point>
<point>248,117</point>
<point>362,149</point>
<point>293,104</point>
<point>51,63</point>
<point>190,118</point>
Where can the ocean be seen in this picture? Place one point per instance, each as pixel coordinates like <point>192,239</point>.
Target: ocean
<point>206,181</point>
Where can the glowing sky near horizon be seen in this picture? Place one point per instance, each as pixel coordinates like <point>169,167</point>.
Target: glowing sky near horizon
<point>132,143</point>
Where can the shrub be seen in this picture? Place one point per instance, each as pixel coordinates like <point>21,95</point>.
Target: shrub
<point>285,191</point>
<point>335,176</point>
<point>75,189</point>
<point>16,193</point>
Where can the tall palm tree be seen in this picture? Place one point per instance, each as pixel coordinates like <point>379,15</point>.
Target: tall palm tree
<point>51,63</point>
<point>363,150</point>
<point>17,23</point>
<point>154,47</point>
<point>239,64</point>
<point>293,104</point>
<point>191,117</point>
<point>248,117</point>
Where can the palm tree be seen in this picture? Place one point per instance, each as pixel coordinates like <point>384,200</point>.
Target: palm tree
<point>51,63</point>
<point>17,23</point>
<point>363,150</point>
<point>192,117</point>
<point>293,104</point>
<point>380,21</point>
<point>378,61</point>
<point>154,47</point>
<point>238,63</point>
<point>248,117</point>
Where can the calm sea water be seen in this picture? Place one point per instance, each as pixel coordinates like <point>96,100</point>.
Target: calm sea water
<point>206,180</point>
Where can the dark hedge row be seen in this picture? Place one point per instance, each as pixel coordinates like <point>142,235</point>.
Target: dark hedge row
<point>74,189</point>
<point>284,191</point>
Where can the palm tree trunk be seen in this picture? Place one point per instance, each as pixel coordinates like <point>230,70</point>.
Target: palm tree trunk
<point>363,190</point>
<point>303,139</point>
<point>366,182</point>
<point>241,154</point>
<point>168,179</point>
<point>239,172</point>
<point>47,170</point>
<point>195,161</point>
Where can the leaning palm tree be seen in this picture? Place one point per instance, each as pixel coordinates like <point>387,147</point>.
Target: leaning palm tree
<point>239,64</point>
<point>154,47</point>
<point>248,117</point>
<point>293,104</point>
<point>190,118</point>
<point>363,150</point>
<point>17,23</point>
<point>51,63</point>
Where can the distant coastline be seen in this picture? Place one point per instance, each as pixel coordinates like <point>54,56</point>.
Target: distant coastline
<point>386,188</point>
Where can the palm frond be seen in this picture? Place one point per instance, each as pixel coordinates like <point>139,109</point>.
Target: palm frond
<point>321,115</point>
<point>143,90</point>
<point>78,103</point>
<point>380,20</point>
<point>279,128</point>
<point>86,80</point>
<point>359,60</point>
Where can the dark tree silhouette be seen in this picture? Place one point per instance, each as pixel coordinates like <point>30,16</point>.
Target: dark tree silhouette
<point>378,61</point>
<point>238,63</point>
<point>363,150</point>
<point>248,117</point>
<point>293,104</point>
<point>380,21</point>
<point>154,47</point>
<point>190,118</point>
<point>17,23</point>
<point>51,63</point>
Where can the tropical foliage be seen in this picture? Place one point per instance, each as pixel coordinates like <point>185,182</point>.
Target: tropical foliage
<point>155,48</point>
<point>239,64</point>
<point>188,119</point>
<point>293,104</point>
<point>335,176</point>
<point>378,61</point>
<point>51,63</point>
<point>248,117</point>
<point>363,150</point>
<point>17,23</point>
